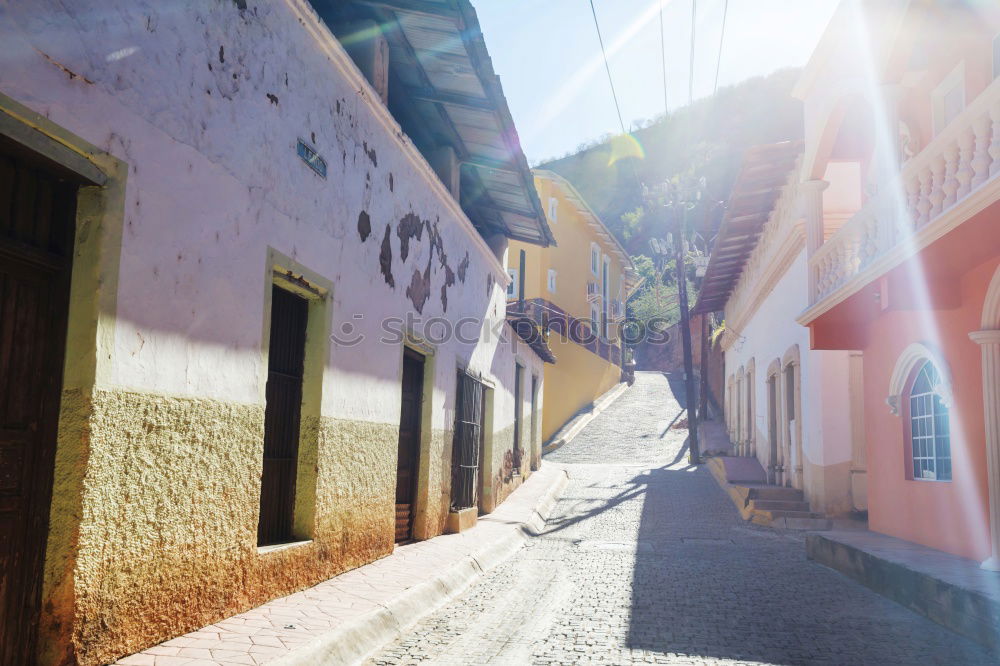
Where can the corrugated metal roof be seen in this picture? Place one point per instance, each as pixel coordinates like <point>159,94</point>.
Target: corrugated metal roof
<point>439,59</point>
<point>764,174</point>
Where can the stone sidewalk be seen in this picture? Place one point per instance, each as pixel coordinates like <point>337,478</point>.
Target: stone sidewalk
<point>347,617</point>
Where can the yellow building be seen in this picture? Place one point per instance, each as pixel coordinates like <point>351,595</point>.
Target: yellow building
<point>578,288</point>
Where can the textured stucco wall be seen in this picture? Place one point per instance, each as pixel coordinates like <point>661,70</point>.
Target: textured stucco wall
<point>153,528</point>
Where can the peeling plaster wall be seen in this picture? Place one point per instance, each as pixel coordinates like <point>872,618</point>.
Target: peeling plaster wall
<point>153,531</point>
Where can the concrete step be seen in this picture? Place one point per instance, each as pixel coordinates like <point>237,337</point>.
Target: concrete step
<point>773,515</point>
<point>807,524</point>
<point>778,505</point>
<point>791,520</point>
<point>777,493</point>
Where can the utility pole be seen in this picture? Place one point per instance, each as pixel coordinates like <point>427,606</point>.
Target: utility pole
<point>694,455</point>
<point>673,204</point>
<point>703,399</point>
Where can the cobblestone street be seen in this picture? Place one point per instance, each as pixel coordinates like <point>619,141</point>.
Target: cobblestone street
<point>645,560</point>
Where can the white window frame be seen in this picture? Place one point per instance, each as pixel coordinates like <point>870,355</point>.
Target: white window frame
<point>926,443</point>
<point>595,316</point>
<point>514,283</point>
<point>553,209</point>
<point>595,260</point>
<point>552,281</point>
<point>954,80</point>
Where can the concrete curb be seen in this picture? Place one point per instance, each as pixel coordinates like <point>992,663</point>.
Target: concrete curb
<point>583,419</point>
<point>353,641</point>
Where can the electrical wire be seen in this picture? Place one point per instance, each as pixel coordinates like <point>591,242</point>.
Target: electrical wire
<point>722,38</point>
<point>663,60</point>
<point>607,67</point>
<point>694,21</point>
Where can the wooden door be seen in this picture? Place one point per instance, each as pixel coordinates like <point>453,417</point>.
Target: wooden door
<point>518,408</point>
<point>37,212</point>
<point>407,464</point>
<point>282,414</point>
<point>485,466</point>
<point>534,420</point>
<point>772,429</point>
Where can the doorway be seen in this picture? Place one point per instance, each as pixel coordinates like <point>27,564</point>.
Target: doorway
<point>408,461</point>
<point>772,430</point>
<point>282,416</point>
<point>534,423</point>
<point>793,453</point>
<point>37,219</point>
<point>518,427</point>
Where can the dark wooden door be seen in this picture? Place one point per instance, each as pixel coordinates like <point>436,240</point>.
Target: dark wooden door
<point>518,408</point>
<point>534,420</point>
<point>285,365</point>
<point>37,212</point>
<point>408,461</point>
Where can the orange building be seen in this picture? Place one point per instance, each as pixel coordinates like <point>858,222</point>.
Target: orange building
<point>902,111</point>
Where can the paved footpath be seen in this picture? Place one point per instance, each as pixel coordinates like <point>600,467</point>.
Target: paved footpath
<point>645,560</point>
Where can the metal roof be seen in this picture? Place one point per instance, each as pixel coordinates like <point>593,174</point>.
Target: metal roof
<point>762,178</point>
<point>532,335</point>
<point>443,92</point>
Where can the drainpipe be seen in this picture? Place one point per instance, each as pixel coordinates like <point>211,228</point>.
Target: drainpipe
<point>520,281</point>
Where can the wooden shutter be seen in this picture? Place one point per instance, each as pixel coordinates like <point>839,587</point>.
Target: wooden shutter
<point>465,449</point>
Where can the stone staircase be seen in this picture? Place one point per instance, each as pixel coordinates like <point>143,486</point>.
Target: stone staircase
<point>772,506</point>
<point>776,506</point>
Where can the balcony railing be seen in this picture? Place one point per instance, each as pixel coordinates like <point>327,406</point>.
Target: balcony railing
<point>955,165</point>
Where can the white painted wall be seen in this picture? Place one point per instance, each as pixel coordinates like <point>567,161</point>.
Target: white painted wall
<point>206,103</point>
<point>768,335</point>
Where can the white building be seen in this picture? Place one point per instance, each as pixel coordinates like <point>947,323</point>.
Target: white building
<point>789,407</point>
<point>270,273</point>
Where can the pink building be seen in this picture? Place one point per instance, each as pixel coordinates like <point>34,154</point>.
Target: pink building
<point>902,109</point>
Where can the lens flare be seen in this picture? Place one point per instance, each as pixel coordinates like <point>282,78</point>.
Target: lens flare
<point>624,146</point>
<point>886,159</point>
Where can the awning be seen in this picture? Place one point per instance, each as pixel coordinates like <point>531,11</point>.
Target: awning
<point>531,334</point>
<point>443,91</point>
<point>761,180</point>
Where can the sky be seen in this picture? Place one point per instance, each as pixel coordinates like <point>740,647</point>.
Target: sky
<point>549,59</point>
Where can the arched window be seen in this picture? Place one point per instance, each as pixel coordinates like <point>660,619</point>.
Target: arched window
<point>929,428</point>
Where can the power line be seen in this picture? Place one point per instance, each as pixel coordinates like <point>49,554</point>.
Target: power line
<point>722,38</point>
<point>663,59</point>
<point>694,20</point>
<point>607,67</point>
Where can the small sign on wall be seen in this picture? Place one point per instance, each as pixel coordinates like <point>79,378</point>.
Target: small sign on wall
<point>311,157</point>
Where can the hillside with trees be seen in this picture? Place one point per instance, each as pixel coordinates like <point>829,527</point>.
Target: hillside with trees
<point>705,139</point>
